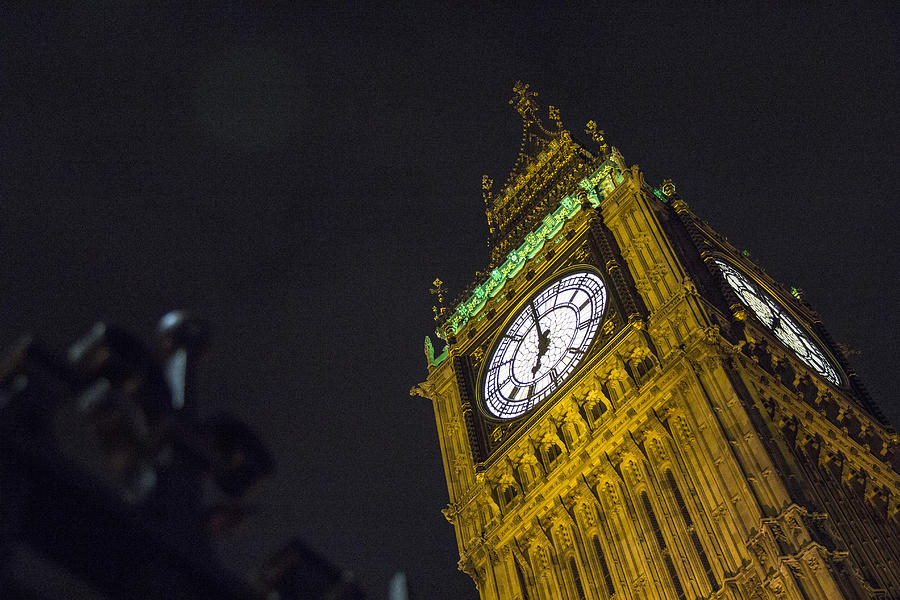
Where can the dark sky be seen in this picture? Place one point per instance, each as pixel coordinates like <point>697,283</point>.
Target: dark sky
<point>300,175</point>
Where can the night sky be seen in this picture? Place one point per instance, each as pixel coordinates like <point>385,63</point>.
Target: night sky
<point>300,175</point>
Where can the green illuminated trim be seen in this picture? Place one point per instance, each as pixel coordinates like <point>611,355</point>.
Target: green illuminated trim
<point>659,194</point>
<point>534,241</point>
<point>440,357</point>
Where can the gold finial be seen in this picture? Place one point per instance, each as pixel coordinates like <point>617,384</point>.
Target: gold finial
<point>486,184</point>
<point>668,188</point>
<point>524,99</point>
<point>429,353</point>
<point>438,290</point>
<point>554,114</point>
<point>596,134</point>
<point>486,194</point>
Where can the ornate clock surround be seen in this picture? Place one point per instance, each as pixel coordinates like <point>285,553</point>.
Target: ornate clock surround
<point>584,243</point>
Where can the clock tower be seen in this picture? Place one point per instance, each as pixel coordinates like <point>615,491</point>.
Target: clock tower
<point>629,408</point>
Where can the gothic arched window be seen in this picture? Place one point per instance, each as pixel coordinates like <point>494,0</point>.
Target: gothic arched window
<point>604,567</point>
<point>692,532</point>
<point>509,494</point>
<point>523,585</point>
<point>661,542</point>
<point>551,453</point>
<point>576,577</point>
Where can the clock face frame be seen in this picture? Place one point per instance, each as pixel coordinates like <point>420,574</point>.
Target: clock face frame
<point>543,343</point>
<point>779,321</point>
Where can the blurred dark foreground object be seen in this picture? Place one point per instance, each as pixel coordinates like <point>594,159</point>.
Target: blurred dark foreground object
<point>112,487</point>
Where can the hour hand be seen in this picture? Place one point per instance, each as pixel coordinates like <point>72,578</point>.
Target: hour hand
<point>537,365</point>
<point>543,343</point>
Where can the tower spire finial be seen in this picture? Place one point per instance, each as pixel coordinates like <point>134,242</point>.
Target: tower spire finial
<point>554,115</point>
<point>668,188</point>
<point>524,100</point>
<point>438,291</point>
<point>596,134</point>
<point>486,184</point>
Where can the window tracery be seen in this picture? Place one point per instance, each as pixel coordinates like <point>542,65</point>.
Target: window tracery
<point>576,578</point>
<point>551,452</point>
<point>605,573</point>
<point>509,494</point>
<point>595,410</point>
<point>656,530</point>
<point>692,531</point>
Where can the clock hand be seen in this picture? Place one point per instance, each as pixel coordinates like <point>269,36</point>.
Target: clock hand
<point>543,339</point>
<point>537,322</point>
<point>543,346</point>
<point>543,336</point>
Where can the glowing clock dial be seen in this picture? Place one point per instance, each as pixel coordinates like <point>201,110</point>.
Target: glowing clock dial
<point>544,343</point>
<point>771,314</point>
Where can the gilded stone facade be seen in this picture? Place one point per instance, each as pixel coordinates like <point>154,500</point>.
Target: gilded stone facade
<point>691,454</point>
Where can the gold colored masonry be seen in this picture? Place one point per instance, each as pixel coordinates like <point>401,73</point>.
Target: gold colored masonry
<point>691,455</point>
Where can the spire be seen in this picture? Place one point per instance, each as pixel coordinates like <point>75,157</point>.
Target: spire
<point>486,184</point>
<point>596,134</point>
<point>535,137</point>
<point>529,193</point>
<point>524,101</point>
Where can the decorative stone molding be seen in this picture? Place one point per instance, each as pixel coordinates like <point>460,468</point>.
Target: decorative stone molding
<point>658,272</point>
<point>425,389</point>
<point>643,286</point>
<point>449,512</point>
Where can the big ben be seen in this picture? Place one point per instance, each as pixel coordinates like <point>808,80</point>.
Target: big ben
<point>628,407</point>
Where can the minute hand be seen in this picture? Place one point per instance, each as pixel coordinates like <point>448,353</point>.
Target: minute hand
<point>543,340</point>
<point>543,336</point>
<point>537,322</point>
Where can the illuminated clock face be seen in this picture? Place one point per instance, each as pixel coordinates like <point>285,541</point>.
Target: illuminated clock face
<point>543,344</point>
<point>777,319</point>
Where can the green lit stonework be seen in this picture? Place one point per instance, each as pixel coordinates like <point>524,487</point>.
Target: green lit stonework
<point>534,241</point>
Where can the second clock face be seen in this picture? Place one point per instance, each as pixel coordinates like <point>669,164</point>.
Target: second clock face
<point>771,314</point>
<point>543,344</point>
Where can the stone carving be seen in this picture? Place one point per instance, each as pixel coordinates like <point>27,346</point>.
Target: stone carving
<point>424,390</point>
<point>466,566</point>
<point>449,512</point>
<point>429,351</point>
